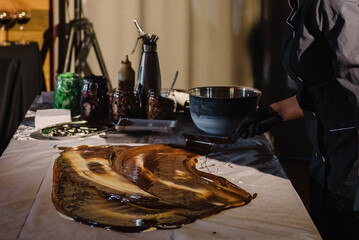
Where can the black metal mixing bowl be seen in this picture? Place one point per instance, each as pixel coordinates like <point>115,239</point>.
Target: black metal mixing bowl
<point>218,110</point>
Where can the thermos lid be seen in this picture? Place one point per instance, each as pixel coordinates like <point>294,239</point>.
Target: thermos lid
<point>149,40</point>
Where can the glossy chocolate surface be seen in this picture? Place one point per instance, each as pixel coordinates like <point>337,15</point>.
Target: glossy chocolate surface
<point>132,189</point>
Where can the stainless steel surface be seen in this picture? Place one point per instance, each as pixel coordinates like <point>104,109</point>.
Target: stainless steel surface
<point>132,124</point>
<point>218,110</point>
<point>224,92</point>
<point>149,74</point>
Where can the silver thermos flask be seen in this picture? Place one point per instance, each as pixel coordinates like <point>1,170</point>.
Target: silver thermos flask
<point>149,74</point>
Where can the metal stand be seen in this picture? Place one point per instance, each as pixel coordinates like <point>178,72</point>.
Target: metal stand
<point>78,38</point>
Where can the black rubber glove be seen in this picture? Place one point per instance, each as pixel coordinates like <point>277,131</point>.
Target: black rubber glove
<point>256,123</point>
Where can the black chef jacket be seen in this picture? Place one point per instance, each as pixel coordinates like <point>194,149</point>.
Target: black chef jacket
<point>321,54</point>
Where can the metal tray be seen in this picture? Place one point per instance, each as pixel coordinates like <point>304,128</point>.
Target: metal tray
<point>132,124</point>
<point>78,129</point>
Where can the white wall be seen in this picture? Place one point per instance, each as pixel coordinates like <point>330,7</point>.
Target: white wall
<point>205,40</point>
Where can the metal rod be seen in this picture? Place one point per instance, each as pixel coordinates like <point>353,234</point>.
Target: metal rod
<point>77,36</point>
<point>62,37</point>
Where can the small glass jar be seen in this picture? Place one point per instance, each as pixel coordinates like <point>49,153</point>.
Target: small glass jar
<point>94,98</point>
<point>125,104</point>
<point>68,92</point>
<point>160,105</point>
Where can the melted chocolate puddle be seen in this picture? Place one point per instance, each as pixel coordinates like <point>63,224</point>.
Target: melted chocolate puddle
<point>132,189</point>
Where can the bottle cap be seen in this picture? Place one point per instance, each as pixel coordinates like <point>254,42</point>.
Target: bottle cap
<point>126,61</point>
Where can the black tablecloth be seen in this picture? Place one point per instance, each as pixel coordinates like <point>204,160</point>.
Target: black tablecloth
<point>21,79</point>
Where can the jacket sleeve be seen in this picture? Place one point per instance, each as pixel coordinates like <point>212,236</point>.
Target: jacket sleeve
<point>339,21</point>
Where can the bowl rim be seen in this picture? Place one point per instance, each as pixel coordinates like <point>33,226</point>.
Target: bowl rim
<point>191,90</point>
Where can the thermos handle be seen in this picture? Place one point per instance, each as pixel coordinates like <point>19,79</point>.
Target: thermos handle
<point>135,45</point>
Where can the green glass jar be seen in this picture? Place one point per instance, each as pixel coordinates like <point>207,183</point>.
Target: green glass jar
<point>68,92</point>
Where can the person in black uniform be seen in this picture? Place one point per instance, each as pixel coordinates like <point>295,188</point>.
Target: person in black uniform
<point>321,54</point>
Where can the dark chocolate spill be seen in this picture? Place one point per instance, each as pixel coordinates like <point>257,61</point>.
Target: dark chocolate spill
<point>132,189</point>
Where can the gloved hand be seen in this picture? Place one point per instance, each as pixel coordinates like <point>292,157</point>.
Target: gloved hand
<point>257,122</point>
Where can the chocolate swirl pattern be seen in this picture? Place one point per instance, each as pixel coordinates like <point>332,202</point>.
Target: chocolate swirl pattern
<point>138,188</point>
